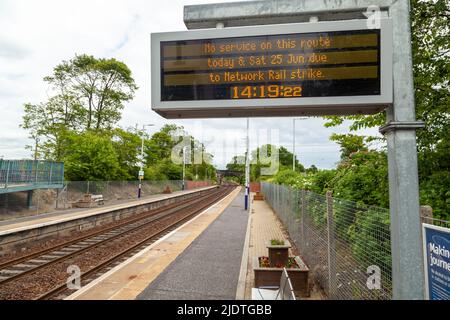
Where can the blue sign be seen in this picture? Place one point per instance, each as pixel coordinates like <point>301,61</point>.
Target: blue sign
<point>436,241</point>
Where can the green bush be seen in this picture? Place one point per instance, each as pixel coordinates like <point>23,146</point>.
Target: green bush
<point>363,178</point>
<point>435,192</point>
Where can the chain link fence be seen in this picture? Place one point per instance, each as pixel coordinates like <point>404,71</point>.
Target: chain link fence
<point>18,204</point>
<point>345,244</point>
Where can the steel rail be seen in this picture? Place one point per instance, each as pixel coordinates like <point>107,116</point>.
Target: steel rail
<point>55,291</point>
<point>124,222</point>
<point>151,219</point>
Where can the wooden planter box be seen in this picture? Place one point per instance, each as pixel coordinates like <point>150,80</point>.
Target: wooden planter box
<point>278,254</point>
<point>271,276</point>
<point>258,196</point>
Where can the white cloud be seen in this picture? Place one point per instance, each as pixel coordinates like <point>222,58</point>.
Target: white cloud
<point>40,34</point>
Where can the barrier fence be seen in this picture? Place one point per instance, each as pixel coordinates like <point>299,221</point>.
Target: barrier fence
<point>16,204</point>
<point>345,244</point>
<point>16,174</point>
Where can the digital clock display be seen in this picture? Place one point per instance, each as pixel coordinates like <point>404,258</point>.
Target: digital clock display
<point>320,64</point>
<point>270,91</point>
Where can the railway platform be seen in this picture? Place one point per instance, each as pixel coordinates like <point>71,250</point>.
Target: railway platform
<point>209,257</point>
<point>200,244</point>
<point>181,264</point>
<point>14,233</point>
<point>31,222</point>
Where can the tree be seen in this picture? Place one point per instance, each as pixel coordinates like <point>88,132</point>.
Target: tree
<point>161,143</point>
<point>127,146</point>
<point>93,158</point>
<point>87,94</point>
<point>158,155</point>
<point>52,122</point>
<point>286,159</point>
<point>312,169</point>
<point>350,143</point>
<point>101,86</point>
<point>77,125</point>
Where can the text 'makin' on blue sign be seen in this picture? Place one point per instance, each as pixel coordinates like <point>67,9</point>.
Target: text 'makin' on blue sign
<point>436,248</point>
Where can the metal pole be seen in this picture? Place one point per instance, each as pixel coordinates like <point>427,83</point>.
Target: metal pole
<point>8,163</point>
<point>293,144</point>
<point>36,174</point>
<point>406,247</point>
<point>184,167</point>
<point>141,167</point>
<point>142,162</point>
<point>247,175</point>
<point>36,143</point>
<point>332,285</point>
<point>303,213</point>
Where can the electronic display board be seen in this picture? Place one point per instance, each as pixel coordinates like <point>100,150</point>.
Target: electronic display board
<point>288,70</point>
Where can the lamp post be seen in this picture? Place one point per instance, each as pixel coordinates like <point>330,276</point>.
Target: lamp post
<point>141,168</point>
<point>36,143</point>
<point>247,168</point>
<point>184,168</point>
<point>293,141</point>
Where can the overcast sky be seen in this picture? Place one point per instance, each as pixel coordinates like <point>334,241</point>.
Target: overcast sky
<point>37,35</point>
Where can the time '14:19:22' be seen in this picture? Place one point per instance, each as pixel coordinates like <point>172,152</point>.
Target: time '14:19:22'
<point>270,91</point>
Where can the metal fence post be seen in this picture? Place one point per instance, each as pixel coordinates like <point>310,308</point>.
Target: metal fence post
<point>36,174</point>
<point>331,248</point>
<point>303,212</point>
<point>7,174</point>
<point>426,214</point>
<point>50,174</point>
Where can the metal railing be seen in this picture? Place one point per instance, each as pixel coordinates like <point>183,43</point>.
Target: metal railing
<point>33,173</point>
<point>345,244</point>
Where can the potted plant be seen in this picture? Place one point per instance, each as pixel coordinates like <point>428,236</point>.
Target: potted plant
<point>278,252</point>
<point>298,272</point>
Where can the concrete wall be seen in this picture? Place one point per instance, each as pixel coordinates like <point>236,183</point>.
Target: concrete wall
<point>255,187</point>
<point>197,184</point>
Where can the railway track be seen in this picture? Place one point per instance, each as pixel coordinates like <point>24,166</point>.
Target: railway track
<point>43,274</point>
<point>10,269</point>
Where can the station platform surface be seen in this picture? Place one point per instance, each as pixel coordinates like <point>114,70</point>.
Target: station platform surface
<point>209,257</point>
<point>209,267</point>
<point>199,260</point>
<point>31,222</point>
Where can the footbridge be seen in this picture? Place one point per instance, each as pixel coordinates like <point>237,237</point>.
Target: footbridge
<point>28,175</point>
